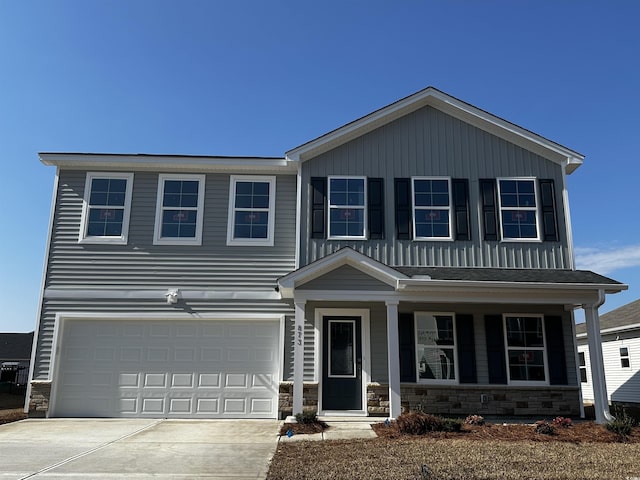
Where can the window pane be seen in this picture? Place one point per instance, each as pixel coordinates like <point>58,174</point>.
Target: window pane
<point>517,193</point>
<point>347,222</point>
<point>431,193</point>
<point>625,362</point>
<point>526,365</point>
<point>250,224</point>
<point>436,363</point>
<point>179,223</point>
<point>347,191</point>
<point>105,222</point>
<point>624,352</point>
<point>252,195</point>
<point>342,353</point>
<point>432,223</point>
<point>524,331</point>
<point>583,375</point>
<point>581,359</point>
<point>519,224</point>
<point>180,193</point>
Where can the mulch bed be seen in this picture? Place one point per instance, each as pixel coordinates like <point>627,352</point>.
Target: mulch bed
<point>578,433</point>
<point>304,428</point>
<point>11,415</point>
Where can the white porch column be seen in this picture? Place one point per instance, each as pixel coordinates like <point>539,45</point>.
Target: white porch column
<point>394,359</point>
<point>600,398</point>
<point>298,357</point>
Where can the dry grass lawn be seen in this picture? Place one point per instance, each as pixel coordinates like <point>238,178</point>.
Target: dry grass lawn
<point>11,407</point>
<point>584,451</point>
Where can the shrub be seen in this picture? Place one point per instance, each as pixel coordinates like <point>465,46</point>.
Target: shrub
<point>622,425</point>
<point>418,423</point>
<point>451,424</point>
<point>474,420</point>
<point>563,422</point>
<point>545,428</point>
<point>307,417</point>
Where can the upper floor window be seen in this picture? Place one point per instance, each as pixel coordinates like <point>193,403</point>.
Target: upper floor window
<point>179,210</point>
<point>624,357</point>
<point>518,209</point>
<point>251,210</point>
<point>435,347</point>
<point>106,207</point>
<point>431,208</point>
<point>347,207</point>
<point>526,352</point>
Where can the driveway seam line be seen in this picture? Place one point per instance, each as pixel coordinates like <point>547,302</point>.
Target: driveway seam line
<point>84,454</point>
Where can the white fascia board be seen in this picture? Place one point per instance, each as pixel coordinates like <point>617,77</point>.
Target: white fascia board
<point>564,156</point>
<point>168,162</point>
<point>417,284</point>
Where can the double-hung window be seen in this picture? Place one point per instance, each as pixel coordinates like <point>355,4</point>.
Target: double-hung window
<point>347,208</point>
<point>526,353</point>
<point>436,347</point>
<point>431,208</point>
<point>251,210</point>
<point>179,210</point>
<point>624,357</point>
<point>583,367</point>
<point>106,208</point>
<point>518,209</point>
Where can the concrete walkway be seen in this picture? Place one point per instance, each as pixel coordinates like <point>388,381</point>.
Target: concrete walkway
<point>347,428</point>
<point>94,449</point>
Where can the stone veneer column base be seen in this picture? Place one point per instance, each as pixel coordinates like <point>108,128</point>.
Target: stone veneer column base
<point>478,400</point>
<point>39,399</point>
<point>285,398</point>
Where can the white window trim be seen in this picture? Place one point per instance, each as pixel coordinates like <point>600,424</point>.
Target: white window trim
<point>448,209</point>
<point>353,353</point>
<point>267,242</point>
<point>543,349</point>
<point>537,209</point>
<point>429,381</point>
<point>365,230</point>
<point>197,240</point>
<point>84,222</point>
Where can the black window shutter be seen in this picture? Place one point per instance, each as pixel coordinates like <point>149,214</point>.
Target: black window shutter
<point>548,204</point>
<point>403,208</point>
<point>375,206</point>
<point>555,350</point>
<point>466,349</point>
<point>407,347</point>
<point>318,206</point>
<point>495,349</point>
<point>489,209</point>
<point>460,188</point>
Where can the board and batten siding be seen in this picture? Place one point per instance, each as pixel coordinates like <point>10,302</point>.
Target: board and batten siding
<point>429,142</point>
<point>228,276</point>
<point>623,384</point>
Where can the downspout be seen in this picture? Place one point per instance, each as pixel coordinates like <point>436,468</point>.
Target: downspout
<point>567,217</point>
<point>600,397</point>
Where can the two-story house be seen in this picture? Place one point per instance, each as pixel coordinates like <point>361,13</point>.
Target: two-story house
<point>418,257</point>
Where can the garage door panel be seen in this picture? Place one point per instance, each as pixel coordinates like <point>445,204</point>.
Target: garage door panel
<point>177,369</point>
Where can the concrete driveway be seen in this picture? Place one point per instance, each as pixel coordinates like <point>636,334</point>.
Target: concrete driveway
<point>137,449</point>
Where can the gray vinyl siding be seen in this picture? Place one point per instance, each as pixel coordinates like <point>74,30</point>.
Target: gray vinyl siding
<point>428,142</point>
<point>142,266</point>
<point>346,278</point>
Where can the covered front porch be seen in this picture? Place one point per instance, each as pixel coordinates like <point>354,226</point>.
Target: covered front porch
<point>372,340</point>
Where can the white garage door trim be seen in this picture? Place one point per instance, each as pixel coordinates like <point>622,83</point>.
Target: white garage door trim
<point>182,397</point>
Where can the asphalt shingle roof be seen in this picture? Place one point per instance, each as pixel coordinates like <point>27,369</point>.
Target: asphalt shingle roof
<point>620,317</point>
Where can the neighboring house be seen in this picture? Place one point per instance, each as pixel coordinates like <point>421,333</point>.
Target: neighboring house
<point>418,257</point>
<point>620,330</point>
<point>15,356</point>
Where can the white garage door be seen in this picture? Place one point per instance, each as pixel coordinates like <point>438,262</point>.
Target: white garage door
<point>158,369</point>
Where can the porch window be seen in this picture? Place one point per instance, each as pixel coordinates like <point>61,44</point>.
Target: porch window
<point>431,208</point>
<point>436,347</point>
<point>179,210</point>
<point>106,207</point>
<point>251,210</point>
<point>347,208</point>
<point>526,353</point>
<point>624,357</point>
<point>518,209</point>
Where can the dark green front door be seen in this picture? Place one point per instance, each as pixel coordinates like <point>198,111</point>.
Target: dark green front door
<point>342,363</point>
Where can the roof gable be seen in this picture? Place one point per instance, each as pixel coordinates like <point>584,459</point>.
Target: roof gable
<point>435,98</point>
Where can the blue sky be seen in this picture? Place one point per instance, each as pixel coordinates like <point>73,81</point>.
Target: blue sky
<point>260,77</point>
